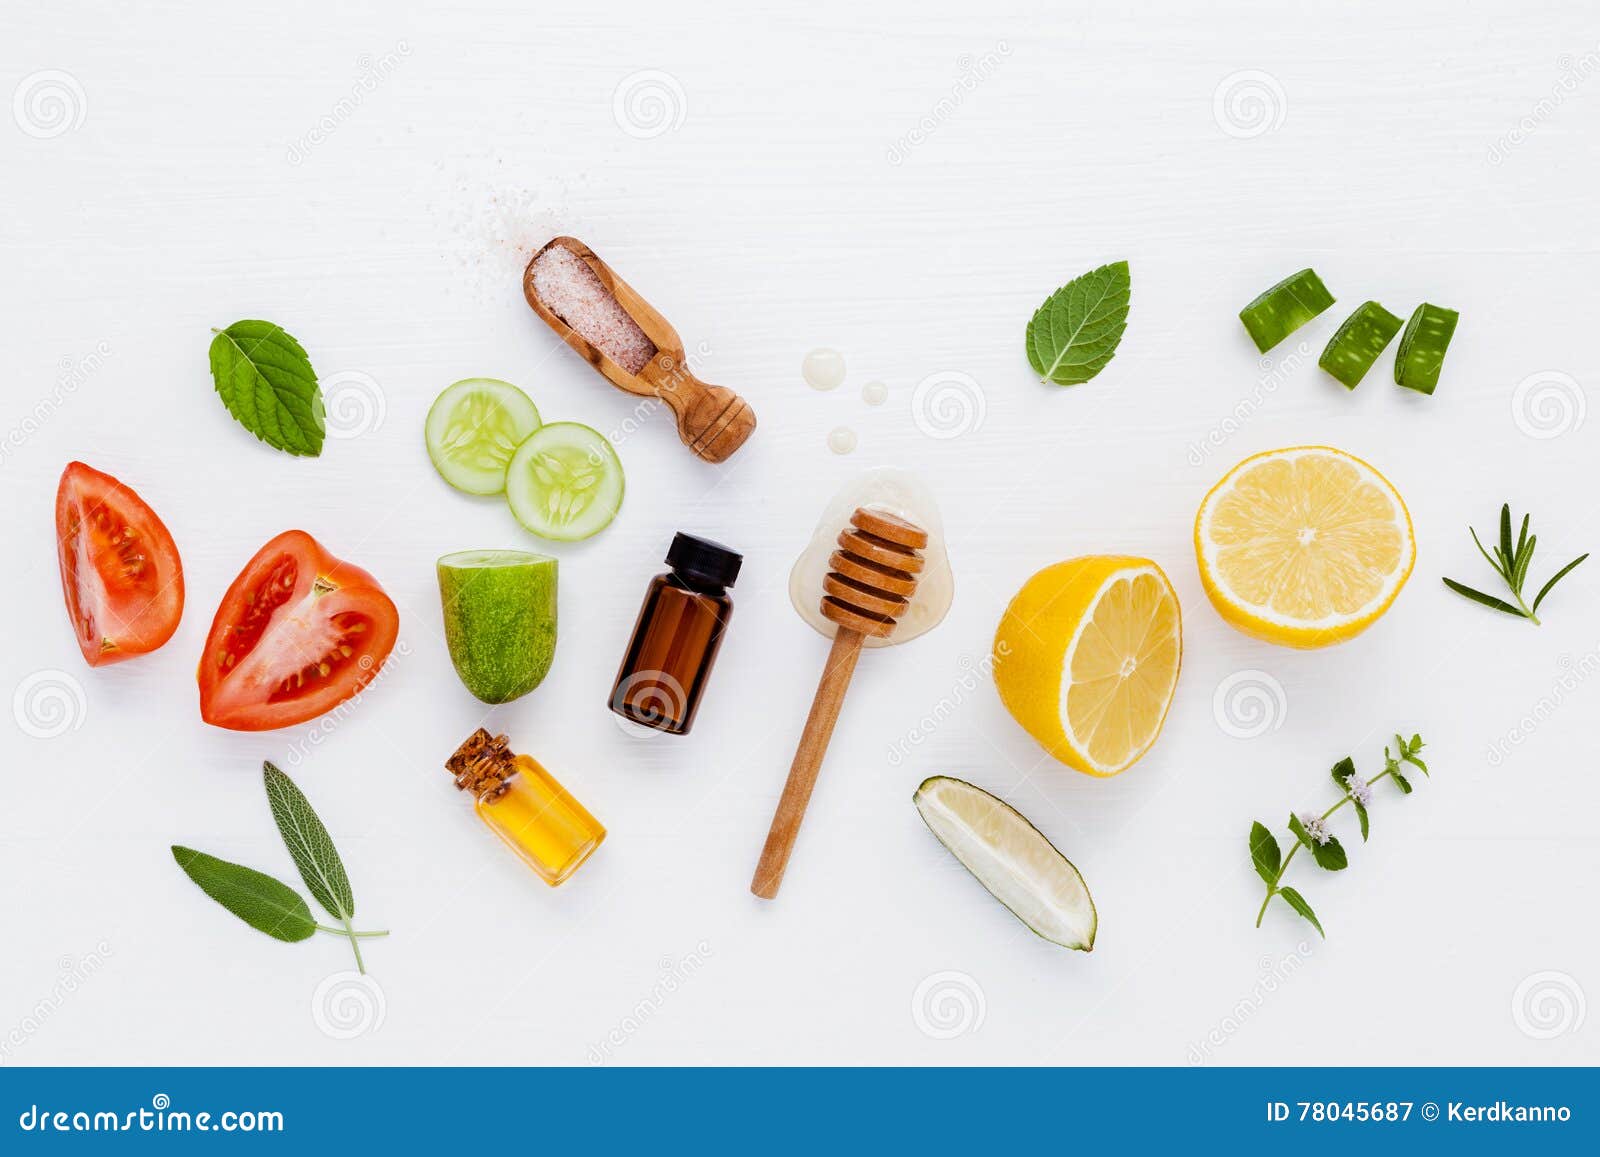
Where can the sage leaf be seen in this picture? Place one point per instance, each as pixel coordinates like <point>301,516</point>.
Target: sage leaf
<point>265,379</point>
<point>1265,853</point>
<point>1298,903</point>
<point>309,844</point>
<point>1074,334</point>
<point>266,904</point>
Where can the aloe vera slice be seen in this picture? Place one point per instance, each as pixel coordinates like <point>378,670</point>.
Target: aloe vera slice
<point>1284,308</point>
<point>1011,858</point>
<point>1421,354</point>
<point>1358,342</point>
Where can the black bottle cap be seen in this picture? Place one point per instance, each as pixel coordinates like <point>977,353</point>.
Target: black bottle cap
<point>700,558</point>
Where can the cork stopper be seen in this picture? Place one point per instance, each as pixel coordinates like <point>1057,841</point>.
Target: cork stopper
<point>483,765</point>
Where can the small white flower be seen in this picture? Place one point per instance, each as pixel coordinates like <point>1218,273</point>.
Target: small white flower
<point>1315,828</point>
<point>1360,789</point>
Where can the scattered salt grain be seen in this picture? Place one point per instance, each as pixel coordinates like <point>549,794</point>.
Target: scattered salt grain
<point>572,291</point>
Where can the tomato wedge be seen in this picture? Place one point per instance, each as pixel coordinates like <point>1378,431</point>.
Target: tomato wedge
<point>298,633</point>
<point>120,569</point>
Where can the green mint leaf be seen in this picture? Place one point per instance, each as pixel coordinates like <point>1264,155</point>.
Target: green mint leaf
<point>1073,335</point>
<point>1486,600</point>
<point>1405,784</point>
<point>1298,903</point>
<point>1265,853</point>
<point>1330,856</point>
<point>266,904</point>
<point>1408,752</point>
<point>309,844</point>
<point>265,379</point>
<point>1554,579</point>
<point>1342,771</point>
<point>1361,814</point>
<point>1300,833</point>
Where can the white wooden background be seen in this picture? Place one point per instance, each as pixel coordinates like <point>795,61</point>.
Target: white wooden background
<point>905,183</point>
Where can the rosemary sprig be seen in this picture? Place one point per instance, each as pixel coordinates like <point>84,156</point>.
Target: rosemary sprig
<point>1310,830</point>
<point>1511,564</point>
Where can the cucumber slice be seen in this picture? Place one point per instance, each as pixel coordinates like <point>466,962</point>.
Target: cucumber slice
<point>1358,342</point>
<point>565,482</point>
<point>1284,308</point>
<point>1421,354</point>
<point>474,428</point>
<point>1012,859</point>
<point>499,619</point>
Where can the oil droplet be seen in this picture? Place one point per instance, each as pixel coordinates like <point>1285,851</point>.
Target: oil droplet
<point>875,393</point>
<point>842,440</point>
<point>823,369</point>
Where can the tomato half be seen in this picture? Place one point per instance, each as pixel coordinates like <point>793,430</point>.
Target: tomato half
<point>120,569</point>
<point>298,633</point>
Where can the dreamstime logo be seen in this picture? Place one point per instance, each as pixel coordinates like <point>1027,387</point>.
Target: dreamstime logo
<point>371,73</point>
<point>1548,1004</point>
<point>1574,672</point>
<point>1273,974</point>
<point>1248,704</point>
<point>948,404</point>
<point>971,72</point>
<point>48,104</point>
<point>347,1005</point>
<point>1250,103</point>
<point>49,703</point>
<point>973,674</point>
<point>687,370</point>
<point>948,1004</point>
<point>675,973</point>
<point>1548,404</point>
<point>1571,73</point>
<point>1273,374</point>
<point>330,721</point>
<point>74,973</point>
<point>353,403</point>
<point>648,103</point>
<point>74,372</point>
<point>653,697</point>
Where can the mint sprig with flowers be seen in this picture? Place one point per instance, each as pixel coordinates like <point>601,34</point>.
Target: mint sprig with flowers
<point>1311,831</point>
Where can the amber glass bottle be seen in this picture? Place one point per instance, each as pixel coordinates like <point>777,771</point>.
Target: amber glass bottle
<point>523,804</point>
<point>677,636</point>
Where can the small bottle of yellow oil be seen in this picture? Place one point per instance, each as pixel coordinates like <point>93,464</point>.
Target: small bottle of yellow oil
<point>524,805</point>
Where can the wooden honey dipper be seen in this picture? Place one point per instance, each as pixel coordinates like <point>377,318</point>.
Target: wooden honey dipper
<point>873,576</point>
<point>713,421</point>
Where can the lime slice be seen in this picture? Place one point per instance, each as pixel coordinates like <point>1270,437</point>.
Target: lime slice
<point>499,619</point>
<point>1284,308</point>
<point>1019,866</point>
<point>565,482</point>
<point>1358,342</point>
<point>1421,354</point>
<point>474,428</point>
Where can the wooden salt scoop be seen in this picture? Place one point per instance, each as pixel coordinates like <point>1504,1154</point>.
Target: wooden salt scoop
<point>713,421</point>
<point>873,576</point>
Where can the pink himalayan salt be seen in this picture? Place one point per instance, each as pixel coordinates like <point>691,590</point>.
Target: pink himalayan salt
<point>570,290</point>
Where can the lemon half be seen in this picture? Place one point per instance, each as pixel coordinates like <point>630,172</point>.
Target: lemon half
<point>1086,659</point>
<point>1305,547</point>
